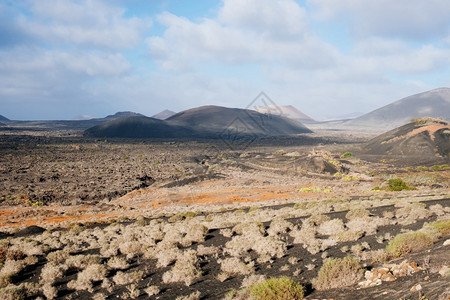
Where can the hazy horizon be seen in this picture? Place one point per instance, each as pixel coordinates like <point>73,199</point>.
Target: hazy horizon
<point>62,59</point>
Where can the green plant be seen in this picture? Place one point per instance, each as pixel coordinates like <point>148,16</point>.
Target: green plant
<point>437,167</point>
<point>405,243</point>
<point>442,226</point>
<point>182,216</point>
<point>338,272</point>
<point>396,184</point>
<point>277,288</point>
<point>347,155</point>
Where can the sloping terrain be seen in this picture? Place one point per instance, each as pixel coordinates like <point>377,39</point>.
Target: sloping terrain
<point>2,118</point>
<point>424,137</point>
<point>209,222</point>
<point>164,114</point>
<point>287,111</point>
<point>235,121</point>
<point>140,127</point>
<point>434,103</point>
<point>63,125</point>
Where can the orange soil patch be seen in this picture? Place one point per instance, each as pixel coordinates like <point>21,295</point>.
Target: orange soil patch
<point>214,195</point>
<point>42,220</point>
<point>430,128</point>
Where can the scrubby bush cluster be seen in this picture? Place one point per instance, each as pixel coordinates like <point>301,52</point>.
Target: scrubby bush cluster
<point>124,255</point>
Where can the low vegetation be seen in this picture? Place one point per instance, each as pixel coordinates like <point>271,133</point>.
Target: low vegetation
<point>277,288</point>
<point>338,272</point>
<point>405,243</point>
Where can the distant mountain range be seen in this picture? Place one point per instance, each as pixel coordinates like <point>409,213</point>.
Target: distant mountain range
<point>2,118</point>
<point>287,111</point>
<point>434,103</point>
<point>82,124</point>
<point>201,122</point>
<point>164,114</point>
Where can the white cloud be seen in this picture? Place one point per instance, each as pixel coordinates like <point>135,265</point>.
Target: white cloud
<point>244,32</point>
<point>29,60</point>
<point>272,19</point>
<point>92,23</point>
<point>410,19</point>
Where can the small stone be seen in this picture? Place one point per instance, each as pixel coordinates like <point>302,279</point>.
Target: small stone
<point>383,270</point>
<point>447,242</point>
<point>391,278</point>
<point>426,278</point>
<point>369,275</point>
<point>444,271</point>
<point>414,266</point>
<point>416,288</point>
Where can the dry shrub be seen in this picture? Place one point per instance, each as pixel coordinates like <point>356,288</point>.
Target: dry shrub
<point>408,242</point>
<point>193,296</point>
<point>252,279</point>
<point>349,236</point>
<point>366,225</point>
<point>235,266</point>
<point>50,292</point>
<point>92,273</point>
<point>226,232</point>
<point>251,229</point>
<point>331,227</point>
<point>357,213</point>
<point>278,226</point>
<point>305,234</point>
<point>413,212</point>
<point>51,271</point>
<point>167,257</point>
<point>152,290</point>
<point>186,269</point>
<point>58,256</point>
<point>196,233</point>
<point>337,272</point>
<point>122,278</point>
<point>131,248</point>
<point>10,269</point>
<point>202,250</point>
<point>118,263</point>
<point>316,220</point>
<point>82,261</point>
<point>270,246</point>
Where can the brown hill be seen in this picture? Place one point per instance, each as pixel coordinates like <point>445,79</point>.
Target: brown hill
<point>424,137</point>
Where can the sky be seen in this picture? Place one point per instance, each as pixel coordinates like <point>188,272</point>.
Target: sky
<point>64,58</point>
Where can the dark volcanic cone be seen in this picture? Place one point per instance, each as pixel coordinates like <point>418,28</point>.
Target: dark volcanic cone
<point>217,119</point>
<point>426,137</point>
<point>139,127</point>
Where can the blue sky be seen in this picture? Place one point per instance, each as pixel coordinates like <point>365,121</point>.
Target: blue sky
<point>61,59</point>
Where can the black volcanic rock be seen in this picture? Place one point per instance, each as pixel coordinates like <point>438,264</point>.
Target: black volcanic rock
<point>434,103</point>
<point>424,137</point>
<point>2,118</point>
<point>220,120</point>
<point>139,127</point>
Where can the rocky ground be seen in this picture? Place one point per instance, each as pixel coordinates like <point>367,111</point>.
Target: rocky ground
<point>138,211</point>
